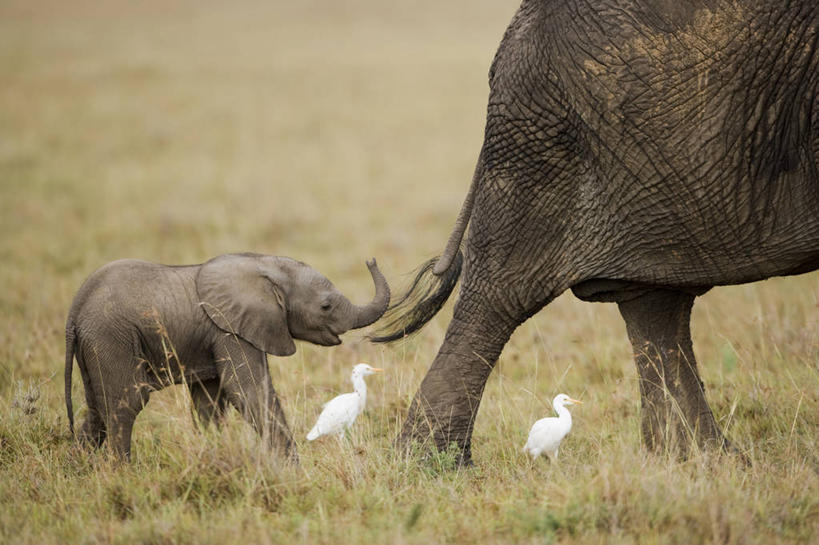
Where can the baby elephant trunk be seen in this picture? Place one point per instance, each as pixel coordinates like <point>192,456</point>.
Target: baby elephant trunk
<point>369,313</point>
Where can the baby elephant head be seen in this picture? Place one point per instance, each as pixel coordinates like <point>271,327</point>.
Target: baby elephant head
<point>269,301</point>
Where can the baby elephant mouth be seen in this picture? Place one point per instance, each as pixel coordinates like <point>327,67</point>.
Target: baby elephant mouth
<point>330,338</point>
<point>323,336</point>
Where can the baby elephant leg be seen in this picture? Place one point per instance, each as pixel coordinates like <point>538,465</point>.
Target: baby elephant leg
<point>120,414</point>
<point>119,393</point>
<point>245,380</point>
<point>209,402</point>
<point>92,432</point>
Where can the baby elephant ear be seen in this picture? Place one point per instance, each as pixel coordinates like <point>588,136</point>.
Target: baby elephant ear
<point>240,300</point>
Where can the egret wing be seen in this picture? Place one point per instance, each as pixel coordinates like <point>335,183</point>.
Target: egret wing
<point>338,413</point>
<point>545,434</point>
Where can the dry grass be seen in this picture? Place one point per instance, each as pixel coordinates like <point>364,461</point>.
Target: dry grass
<point>333,132</point>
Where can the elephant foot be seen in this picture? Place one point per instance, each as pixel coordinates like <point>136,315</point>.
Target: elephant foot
<point>453,457</point>
<point>668,427</point>
<point>288,452</point>
<point>91,435</point>
<point>291,458</point>
<point>448,446</point>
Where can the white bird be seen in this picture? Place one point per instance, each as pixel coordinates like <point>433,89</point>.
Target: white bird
<point>340,412</point>
<point>547,433</point>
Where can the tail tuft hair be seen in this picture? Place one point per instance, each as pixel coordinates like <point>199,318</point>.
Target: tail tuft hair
<point>422,300</point>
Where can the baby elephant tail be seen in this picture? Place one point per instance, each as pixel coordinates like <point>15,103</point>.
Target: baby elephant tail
<point>70,343</point>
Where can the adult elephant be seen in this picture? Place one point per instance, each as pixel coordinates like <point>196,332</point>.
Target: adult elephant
<point>636,152</point>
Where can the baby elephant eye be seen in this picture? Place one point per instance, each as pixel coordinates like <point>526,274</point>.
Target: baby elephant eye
<point>326,306</point>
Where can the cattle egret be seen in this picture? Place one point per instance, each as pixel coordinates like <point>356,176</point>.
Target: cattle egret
<point>340,412</point>
<point>547,433</point>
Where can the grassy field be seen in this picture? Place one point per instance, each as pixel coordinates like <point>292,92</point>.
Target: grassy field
<point>333,132</point>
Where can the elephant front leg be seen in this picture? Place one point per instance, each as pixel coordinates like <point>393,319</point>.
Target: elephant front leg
<point>209,403</point>
<point>245,381</point>
<point>443,410</point>
<point>675,414</point>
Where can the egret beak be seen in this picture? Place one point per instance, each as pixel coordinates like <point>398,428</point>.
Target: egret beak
<point>575,401</point>
<point>376,369</point>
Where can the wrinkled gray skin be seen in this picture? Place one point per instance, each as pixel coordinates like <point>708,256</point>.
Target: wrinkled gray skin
<point>637,153</point>
<point>136,327</point>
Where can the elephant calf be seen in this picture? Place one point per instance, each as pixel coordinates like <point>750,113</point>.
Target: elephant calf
<point>136,327</point>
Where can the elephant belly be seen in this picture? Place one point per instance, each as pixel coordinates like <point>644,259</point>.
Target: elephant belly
<point>178,363</point>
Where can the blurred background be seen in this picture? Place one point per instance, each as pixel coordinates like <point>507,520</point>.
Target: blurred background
<point>176,131</point>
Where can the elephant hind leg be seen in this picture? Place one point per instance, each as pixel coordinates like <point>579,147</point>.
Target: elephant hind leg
<point>121,412</point>
<point>209,402</point>
<point>675,414</point>
<point>93,431</point>
<point>445,407</point>
<point>119,391</point>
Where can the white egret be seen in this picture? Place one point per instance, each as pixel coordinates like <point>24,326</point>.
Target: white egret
<point>340,412</point>
<point>547,433</point>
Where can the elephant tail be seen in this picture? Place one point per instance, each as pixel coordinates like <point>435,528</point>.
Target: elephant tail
<point>453,245</point>
<point>434,281</point>
<point>70,344</point>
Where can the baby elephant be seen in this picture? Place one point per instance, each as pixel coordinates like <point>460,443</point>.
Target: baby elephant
<point>136,327</point>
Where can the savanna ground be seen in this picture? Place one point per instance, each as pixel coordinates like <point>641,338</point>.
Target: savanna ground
<point>333,132</point>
